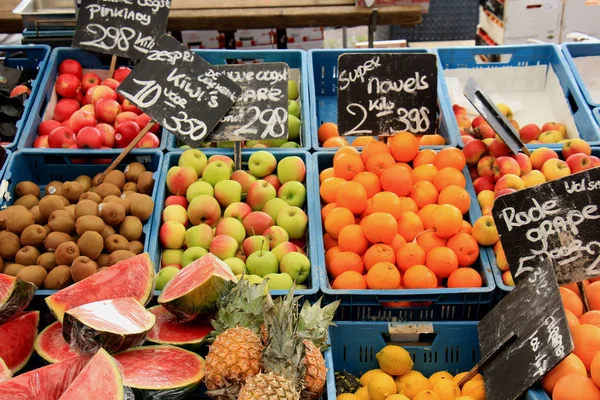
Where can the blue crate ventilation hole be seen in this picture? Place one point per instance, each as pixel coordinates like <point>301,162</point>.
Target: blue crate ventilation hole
<point>572,51</point>
<point>323,94</point>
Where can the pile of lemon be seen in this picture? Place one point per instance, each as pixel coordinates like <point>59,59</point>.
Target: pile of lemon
<point>396,380</point>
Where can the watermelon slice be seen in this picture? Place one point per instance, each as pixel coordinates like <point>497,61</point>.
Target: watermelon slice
<point>194,291</point>
<point>51,345</point>
<point>161,372</point>
<point>100,379</point>
<point>169,330</point>
<point>133,277</point>
<point>46,383</point>
<point>18,336</point>
<point>15,295</point>
<point>5,373</point>
<point>116,325</point>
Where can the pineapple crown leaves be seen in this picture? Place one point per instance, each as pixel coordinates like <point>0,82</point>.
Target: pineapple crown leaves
<point>315,321</point>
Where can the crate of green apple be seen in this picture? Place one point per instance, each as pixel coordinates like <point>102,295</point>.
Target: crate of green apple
<point>256,219</point>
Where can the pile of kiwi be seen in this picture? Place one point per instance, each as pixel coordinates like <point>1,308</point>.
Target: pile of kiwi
<point>76,228</point>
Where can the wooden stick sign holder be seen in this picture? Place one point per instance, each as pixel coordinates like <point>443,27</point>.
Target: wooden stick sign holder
<point>113,65</point>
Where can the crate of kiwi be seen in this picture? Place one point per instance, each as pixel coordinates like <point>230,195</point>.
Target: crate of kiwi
<point>59,225</point>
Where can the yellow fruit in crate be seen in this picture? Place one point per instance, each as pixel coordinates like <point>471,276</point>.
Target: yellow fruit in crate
<point>447,389</point>
<point>347,396</point>
<point>397,397</point>
<point>394,360</point>
<point>366,377</point>
<point>426,395</point>
<point>474,388</point>
<point>504,109</point>
<point>465,398</point>
<point>458,377</point>
<point>363,393</point>
<point>381,386</point>
<point>412,383</point>
<point>440,375</point>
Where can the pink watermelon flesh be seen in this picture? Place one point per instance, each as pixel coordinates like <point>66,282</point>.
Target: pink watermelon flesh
<point>46,383</point>
<point>169,330</point>
<point>18,336</point>
<point>100,379</point>
<point>133,277</point>
<point>51,345</point>
<point>194,291</point>
<point>15,295</point>
<point>5,373</point>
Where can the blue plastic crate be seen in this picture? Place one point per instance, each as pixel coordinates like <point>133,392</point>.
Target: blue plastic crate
<point>575,50</point>
<point>88,60</point>
<point>5,165</point>
<point>26,57</point>
<point>522,56</point>
<point>536,394</point>
<point>172,158</point>
<point>323,94</point>
<point>42,168</point>
<point>596,113</point>
<point>447,303</point>
<point>293,58</point>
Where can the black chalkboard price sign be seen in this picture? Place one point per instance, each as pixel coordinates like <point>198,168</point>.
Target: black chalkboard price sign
<point>126,28</point>
<point>558,220</point>
<point>261,112</point>
<point>180,90</point>
<point>379,94</point>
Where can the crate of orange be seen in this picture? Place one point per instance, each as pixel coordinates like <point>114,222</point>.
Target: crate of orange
<point>396,231</point>
<point>322,75</point>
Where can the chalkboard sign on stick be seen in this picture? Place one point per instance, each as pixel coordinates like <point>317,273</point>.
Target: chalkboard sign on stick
<point>557,220</point>
<point>380,94</point>
<point>125,28</point>
<point>180,90</point>
<point>261,112</point>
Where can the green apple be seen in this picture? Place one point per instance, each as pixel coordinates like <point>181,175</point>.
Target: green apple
<point>243,178</point>
<point>273,206</point>
<point>237,266</point>
<point>225,145</point>
<point>191,254</point>
<point>284,248</point>
<point>199,236</point>
<point>175,212</point>
<point>193,158</point>
<point>301,287</point>
<point>262,263</point>
<point>228,192</point>
<point>294,108</point>
<point>223,246</point>
<point>171,257</point>
<point>255,279</point>
<point>216,171</point>
<point>266,142</point>
<point>197,188</point>
<point>293,127</point>
<point>279,281</point>
<point>290,145</point>
<point>276,235</point>
<point>294,221</point>
<point>179,179</point>
<point>296,265</point>
<point>164,276</point>
<point>261,164</point>
<point>293,192</point>
<point>291,168</point>
<point>292,90</point>
<point>232,227</point>
<point>255,243</point>
<point>259,193</point>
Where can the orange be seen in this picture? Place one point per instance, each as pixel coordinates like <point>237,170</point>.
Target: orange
<point>336,141</point>
<point>571,318</point>
<point>383,275</point>
<point>405,166</point>
<point>353,196</point>
<point>325,174</point>
<point>465,247</point>
<point>326,131</point>
<point>404,146</point>
<point>329,188</point>
<point>432,140</point>
<point>408,204</point>
<point>591,318</point>
<point>362,141</point>
<point>575,387</point>
<point>347,166</point>
<point>466,228</point>
<point>593,295</point>
<point>449,176</point>
<point>374,148</point>
<point>428,240</point>
<point>446,220</point>
<point>378,162</point>
<point>345,261</point>
<point>386,202</point>
<point>349,280</point>
<point>571,301</point>
<point>424,193</point>
<point>409,225</point>
<point>569,365</point>
<point>425,172</point>
<point>456,196</point>
<point>398,242</point>
<point>450,157</point>
<point>331,254</point>
<point>442,261</point>
<point>419,277</point>
<point>345,150</point>
<point>329,242</point>
<point>426,156</point>
<point>409,255</point>
<point>369,181</point>
<point>337,219</point>
<point>326,210</point>
<point>587,342</point>
<point>573,286</point>
<point>351,238</point>
<point>464,277</point>
<point>379,253</point>
<point>426,215</point>
<point>595,369</point>
<point>379,227</point>
<point>396,179</point>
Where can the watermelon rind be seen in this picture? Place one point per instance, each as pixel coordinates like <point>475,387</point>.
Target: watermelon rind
<point>133,277</point>
<point>18,336</point>
<point>168,329</point>
<point>5,373</point>
<point>193,292</point>
<point>99,379</point>
<point>159,372</point>
<point>51,345</point>
<point>115,325</point>
<point>15,295</point>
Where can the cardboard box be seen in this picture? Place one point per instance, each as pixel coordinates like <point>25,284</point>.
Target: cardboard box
<point>581,16</point>
<point>203,39</point>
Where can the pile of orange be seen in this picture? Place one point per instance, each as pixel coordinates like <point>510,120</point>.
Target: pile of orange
<point>393,217</point>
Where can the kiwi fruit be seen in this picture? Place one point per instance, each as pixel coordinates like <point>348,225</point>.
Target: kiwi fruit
<point>102,269</point>
<point>61,221</point>
<point>12,269</point>
<point>71,209</point>
<point>131,228</point>
<point>53,188</point>
<point>4,214</point>
<point>86,207</point>
<point>106,189</point>
<point>28,255</point>
<point>58,278</point>
<point>112,213</point>
<point>142,206</point>
<point>37,217</point>
<point>49,204</point>
<point>115,177</point>
<point>55,239</point>
<point>18,221</point>
<point>108,230</point>
<point>119,255</point>
<point>47,261</point>
<point>10,245</point>
<point>130,187</point>
<point>66,252</point>
<point>145,183</point>
<point>89,223</point>
<point>34,274</point>
<point>28,201</point>
<point>72,191</point>
<point>96,180</point>
<point>116,242</point>
<point>127,194</point>
<point>27,187</point>
<point>33,235</point>
<point>133,171</point>
<point>82,268</point>
<point>102,261</point>
<point>95,197</point>
<point>136,247</point>
<point>91,244</point>
<point>85,182</point>
<point>125,202</point>
<point>108,198</point>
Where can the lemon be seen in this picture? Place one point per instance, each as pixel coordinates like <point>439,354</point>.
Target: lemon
<point>362,393</point>
<point>381,386</point>
<point>347,396</point>
<point>364,380</point>
<point>412,383</point>
<point>394,360</point>
<point>440,375</point>
<point>474,388</point>
<point>446,389</point>
<point>426,395</point>
<point>397,397</point>
<point>458,377</point>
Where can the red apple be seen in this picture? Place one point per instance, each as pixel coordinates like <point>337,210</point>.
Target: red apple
<point>89,80</point>
<point>498,148</point>
<point>121,73</point>
<point>41,142</point>
<point>478,120</point>
<point>483,183</point>
<point>524,163</point>
<point>529,132</point>
<point>466,138</point>
<point>61,138</point>
<point>504,191</point>
<point>107,110</point>
<point>111,83</point>
<point>19,89</point>
<point>129,106</point>
<point>89,108</point>
<point>81,119</point>
<point>555,126</point>
<point>474,150</point>
<point>149,141</point>
<point>459,109</point>
<point>67,124</point>
<point>473,173</point>
<point>89,138</point>
<point>176,200</point>
<point>103,92</point>
<point>87,98</point>
<point>72,67</point>
<point>143,119</point>
<point>64,109</point>
<point>48,126</point>
<point>574,146</point>
<point>505,165</point>
<point>108,134</point>
<point>273,180</point>
<point>67,85</point>
<point>579,162</point>
<point>126,132</point>
<point>595,161</point>
<point>126,116</point>
<point>484,166</point>
<point>484,131</point>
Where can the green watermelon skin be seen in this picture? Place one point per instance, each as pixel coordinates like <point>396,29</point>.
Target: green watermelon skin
<point>51,345</point>
<point>191,335</point>
<point>18,337</point>
<point>15,295</point>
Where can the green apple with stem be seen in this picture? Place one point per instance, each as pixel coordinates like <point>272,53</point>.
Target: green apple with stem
<point>262,163</point>
<point>255,243</point>
<point>191,254</point>
<point>262,263</point>
<point>216,171</point>
<point>294,221</point>
<point>199,236</point>
<point>232,227</point>
<point>193,158</point>
<point>279,281</point>
<point>296,265</point>
<point>293,193</point>
<point>197,188</point>
<point>228,192</point>
<point>273,206</point>
<point>291,168</point>
<point>284,248</point>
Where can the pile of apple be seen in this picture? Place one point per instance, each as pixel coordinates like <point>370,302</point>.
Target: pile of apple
<point>252,220</point>
<point>91,115</point>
